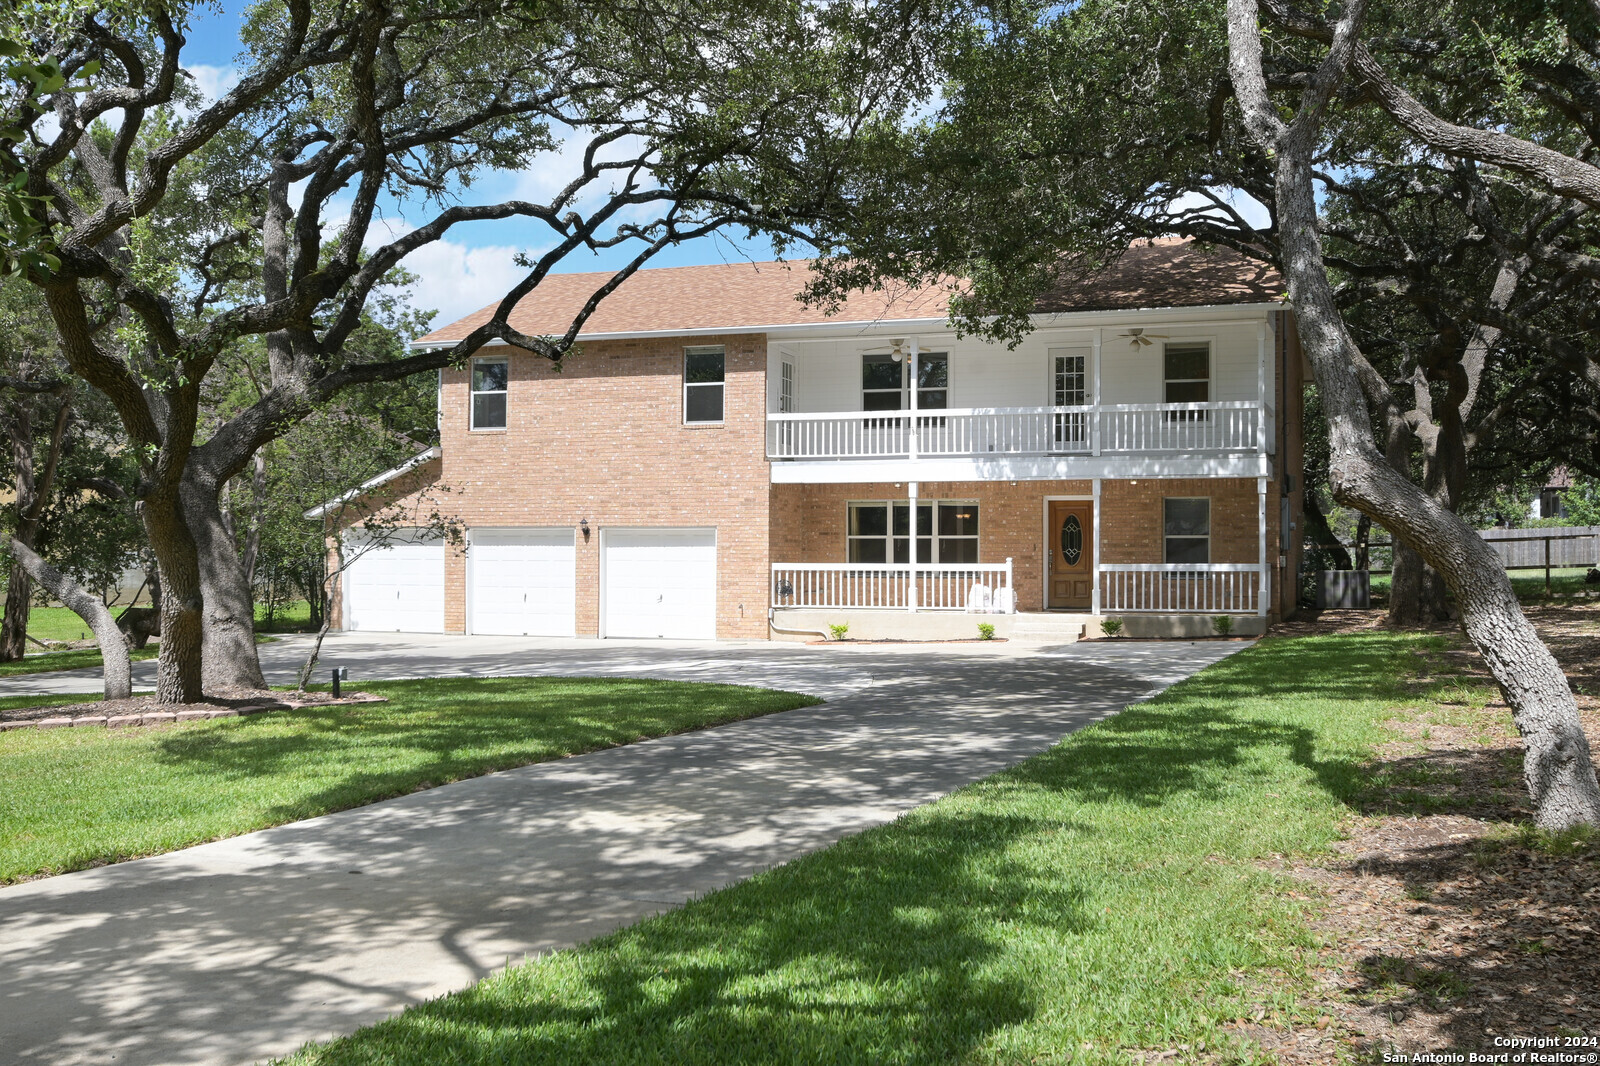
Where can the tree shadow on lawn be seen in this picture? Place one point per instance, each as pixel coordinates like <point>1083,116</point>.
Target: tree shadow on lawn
<point>890,947</point>
<point>1206,739</point>
<point>457,728</point>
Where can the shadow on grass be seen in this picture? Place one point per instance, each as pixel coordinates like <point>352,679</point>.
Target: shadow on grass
<point>887,948</point>
<point>448,729</point>
<point>919,942</point>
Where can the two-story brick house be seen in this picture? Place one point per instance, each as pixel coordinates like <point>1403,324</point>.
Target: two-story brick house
<point>718,460</point>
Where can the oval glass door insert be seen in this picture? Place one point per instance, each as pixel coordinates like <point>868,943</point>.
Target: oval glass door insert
<point>1072,540</point>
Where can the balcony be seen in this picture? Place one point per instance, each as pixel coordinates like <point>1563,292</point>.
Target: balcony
<point>1231,427</point>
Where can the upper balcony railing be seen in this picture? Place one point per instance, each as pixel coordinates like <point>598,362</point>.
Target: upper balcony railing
<point>1136,428</point>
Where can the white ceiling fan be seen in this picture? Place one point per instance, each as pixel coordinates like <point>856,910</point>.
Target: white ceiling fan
<point>897,349</point>
<point>1138,338</point>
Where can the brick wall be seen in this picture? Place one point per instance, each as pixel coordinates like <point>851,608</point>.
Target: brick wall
<point>603,439</point>
<point>808,521</point>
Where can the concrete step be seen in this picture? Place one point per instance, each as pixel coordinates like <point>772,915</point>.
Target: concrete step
<point>1049,627</point>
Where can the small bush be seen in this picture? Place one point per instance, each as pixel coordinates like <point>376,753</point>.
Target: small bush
<point>1223,624</point>
<point>1111,626</point>
<point>838,631</point>
<point>985,630</point>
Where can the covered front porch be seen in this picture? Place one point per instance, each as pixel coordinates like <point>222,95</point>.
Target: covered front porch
<point>1165,555</point>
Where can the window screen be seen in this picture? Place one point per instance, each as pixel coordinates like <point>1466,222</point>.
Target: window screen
<point>489,381</point>
<point>703,384</point>
<point>1187,529</point>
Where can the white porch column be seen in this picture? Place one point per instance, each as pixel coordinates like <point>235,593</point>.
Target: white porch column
<point>1261,386</point>
<point>1261,529</point>
<point>911,584</point>
<point>914,442</point>
<point>1094,427</point>
<point>1094,571</point>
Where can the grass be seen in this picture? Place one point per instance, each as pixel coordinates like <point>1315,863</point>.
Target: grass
<point>292,617</point>
<point>1566,586</point>
<point>76,659</point>
<point>1106,895</point>
<point>80,797</point>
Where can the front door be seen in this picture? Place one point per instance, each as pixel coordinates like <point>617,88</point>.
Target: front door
<point>1071,534</point>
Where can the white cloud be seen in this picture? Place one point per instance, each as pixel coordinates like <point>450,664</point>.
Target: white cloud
<point>456,280</point>
<point>213,82</point>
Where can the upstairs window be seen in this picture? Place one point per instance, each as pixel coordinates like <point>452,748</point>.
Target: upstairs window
<point>703,384</point>
<point>1186,370</point>
<point>883,383</point>
<point>1187,529</point>
<point>884,386</point>
<point>786,387</point>
<point>489,380</point>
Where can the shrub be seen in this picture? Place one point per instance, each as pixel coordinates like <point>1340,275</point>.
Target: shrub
<point>1111,626</point>
<point>1223,624</point>
<point>985,630</point>
<point>838,631</point>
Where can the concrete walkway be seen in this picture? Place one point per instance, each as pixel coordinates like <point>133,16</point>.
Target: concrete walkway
<point>242,949</point>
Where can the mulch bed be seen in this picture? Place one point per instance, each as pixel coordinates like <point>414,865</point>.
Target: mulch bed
<point>904,640</point>
<point>1445,923</point>
<point>148,711</point>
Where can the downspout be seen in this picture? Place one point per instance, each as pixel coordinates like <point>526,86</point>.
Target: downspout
<point>776,628</point>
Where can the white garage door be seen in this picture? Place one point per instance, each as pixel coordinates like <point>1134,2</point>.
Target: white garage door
<point>522,582</point>
<point>660,583</point>
<point>398,588</point>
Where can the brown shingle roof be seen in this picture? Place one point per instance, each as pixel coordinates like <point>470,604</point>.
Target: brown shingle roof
<point>734,296</point>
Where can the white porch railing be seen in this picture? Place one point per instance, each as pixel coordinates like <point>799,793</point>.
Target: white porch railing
<point>1210,588</point>
<point>934,586</point>
<point>1224,426</point>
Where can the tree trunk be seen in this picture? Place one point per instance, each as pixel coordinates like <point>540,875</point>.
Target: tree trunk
<point>229,658</point>
<point>1363,558</point>
<point>1557,766</point>
<point>258,497</point>
<point>178,679</point>
<point>311,660</point>
<point>1322,534</point>
<point>32,495</point>
<point>19,592</point>
<point>118,670</point>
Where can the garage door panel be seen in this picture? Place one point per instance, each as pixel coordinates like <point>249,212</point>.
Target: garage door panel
<point>523,582</point>
<point>396,588</point>
<point>660,583</point>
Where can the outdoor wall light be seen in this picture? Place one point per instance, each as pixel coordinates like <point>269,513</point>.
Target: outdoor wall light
<point>583,527</point>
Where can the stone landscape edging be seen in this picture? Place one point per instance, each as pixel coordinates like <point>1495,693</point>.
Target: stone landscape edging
<point>166,717</point>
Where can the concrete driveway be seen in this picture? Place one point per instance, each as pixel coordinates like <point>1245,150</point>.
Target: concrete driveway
<point>238,950</point>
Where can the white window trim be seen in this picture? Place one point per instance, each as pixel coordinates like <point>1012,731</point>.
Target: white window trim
<point>683,368</point>
<point>1185,536</point>
<point>473,394</point>
<point>906,384</point>
<point>785,386</point>
<point>1078,351</point>
<point>890,537</point>
<point>1211,365</point>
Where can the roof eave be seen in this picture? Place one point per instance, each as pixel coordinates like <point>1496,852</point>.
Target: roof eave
<point>374,482</point>
<point>1052,317</point>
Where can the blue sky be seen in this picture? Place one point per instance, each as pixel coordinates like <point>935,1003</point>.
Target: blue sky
<point>476,264</point>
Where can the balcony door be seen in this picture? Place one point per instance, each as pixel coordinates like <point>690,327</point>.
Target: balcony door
<point>1069,387</point>
<point>1071,555</point>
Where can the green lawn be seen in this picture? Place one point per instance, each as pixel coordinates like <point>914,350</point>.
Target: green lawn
<point>1103,896</point>
<point>74,797</point>
<point>288,618</point>
<point>76,659</point>
<point>1566,586</point>
<point>59,623</point>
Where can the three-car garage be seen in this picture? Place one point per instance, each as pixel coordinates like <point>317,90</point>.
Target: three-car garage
<point>657,582</point>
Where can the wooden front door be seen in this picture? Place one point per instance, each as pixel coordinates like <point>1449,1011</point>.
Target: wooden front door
<point>1071,554</point>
